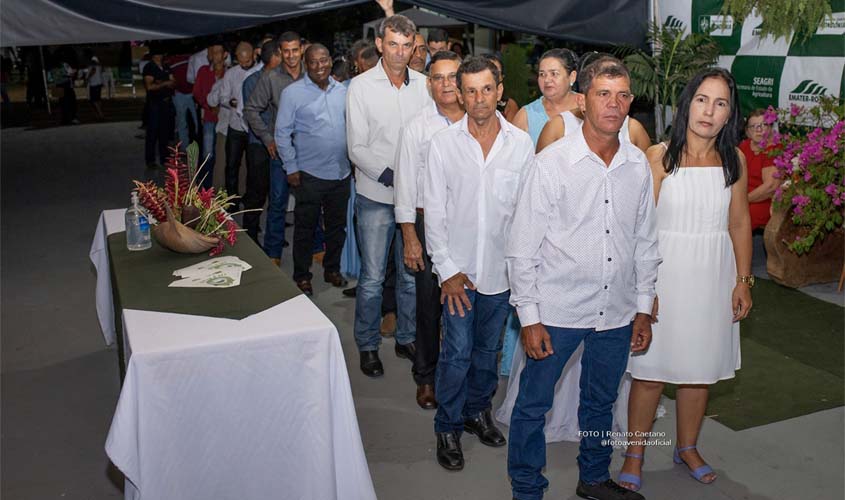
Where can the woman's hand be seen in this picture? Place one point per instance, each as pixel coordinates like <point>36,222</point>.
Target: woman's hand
<point>741,301</point>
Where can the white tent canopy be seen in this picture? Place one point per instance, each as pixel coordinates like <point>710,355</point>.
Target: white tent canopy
<point>422,18</point>
<point>53,22</point>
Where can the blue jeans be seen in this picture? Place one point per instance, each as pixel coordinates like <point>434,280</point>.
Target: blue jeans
<point>277,208</point>
<point>602,366</point>
<point>184,104</point>
<point>465,378</point>
<point>209,142</point>
<point>376,229</point>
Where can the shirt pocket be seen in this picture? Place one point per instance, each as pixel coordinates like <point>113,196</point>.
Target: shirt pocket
<point>506,186</point>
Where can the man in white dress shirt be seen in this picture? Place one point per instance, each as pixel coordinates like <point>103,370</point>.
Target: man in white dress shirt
<point>379,103</point>
<point>471,181</point>
<point>582,259</point>
<point>410,181</point>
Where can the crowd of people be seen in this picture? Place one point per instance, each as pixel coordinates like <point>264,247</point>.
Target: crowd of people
<point>540,233</point>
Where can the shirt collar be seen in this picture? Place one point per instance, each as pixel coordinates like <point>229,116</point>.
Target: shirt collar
<point>309,81</point>
<point>504,125</point>
<point>410,75</point>
<point>434,111</point>
<point>581,150</point>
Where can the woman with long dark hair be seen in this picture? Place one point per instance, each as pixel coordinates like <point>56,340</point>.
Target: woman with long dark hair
<point>704,283</point>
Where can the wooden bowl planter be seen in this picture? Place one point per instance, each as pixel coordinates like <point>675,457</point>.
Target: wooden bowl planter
<point>822,264</point>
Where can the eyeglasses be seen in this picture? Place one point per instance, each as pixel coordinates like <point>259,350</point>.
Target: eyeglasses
<point>441,79</point>
<point>606,95</point>
<point>758,127</point>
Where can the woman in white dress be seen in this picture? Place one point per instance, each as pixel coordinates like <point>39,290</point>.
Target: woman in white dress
<point>562,419</point>
<point>704,283</point>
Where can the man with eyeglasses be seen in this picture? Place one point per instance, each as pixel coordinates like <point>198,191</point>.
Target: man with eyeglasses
<point>472,176</point>
<point>582,259</point>
<point>408,192</point>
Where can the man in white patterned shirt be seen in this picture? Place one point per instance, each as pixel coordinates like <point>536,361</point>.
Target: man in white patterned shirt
<point>408,192</point>
<point>472,176</point>
<point>582,260</point>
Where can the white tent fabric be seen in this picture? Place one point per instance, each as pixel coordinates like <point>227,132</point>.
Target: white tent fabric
<point>421,18</point>
<point>55,22</point>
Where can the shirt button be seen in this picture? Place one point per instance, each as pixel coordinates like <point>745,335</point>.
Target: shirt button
<point>605,287</point>
<point>607,201</point>
<point>607,231</point>
<point>609,259</point>
<point>601,314</point>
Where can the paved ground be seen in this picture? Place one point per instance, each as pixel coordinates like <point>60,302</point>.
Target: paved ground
<point>59,381</point>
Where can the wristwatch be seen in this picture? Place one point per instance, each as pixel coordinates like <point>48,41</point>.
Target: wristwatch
<point>748,280</point>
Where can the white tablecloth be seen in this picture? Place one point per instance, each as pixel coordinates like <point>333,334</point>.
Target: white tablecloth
<point>213,408</point>
<point>111,221</point>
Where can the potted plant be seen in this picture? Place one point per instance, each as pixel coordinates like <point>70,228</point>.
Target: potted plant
<point>804,238</point>
<point>660,76</point>
<point>187,218</point>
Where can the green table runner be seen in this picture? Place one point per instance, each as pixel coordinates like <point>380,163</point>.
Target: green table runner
<point>140,279</point>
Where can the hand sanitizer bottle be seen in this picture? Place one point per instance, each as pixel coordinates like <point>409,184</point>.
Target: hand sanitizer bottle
<point>137,226</point>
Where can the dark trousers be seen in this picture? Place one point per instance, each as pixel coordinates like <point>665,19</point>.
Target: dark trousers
<point>68,104</point>
<point>257,187</point>
<point>312,196</point>
<point>236,142</point>
<point>159,130</point>
<point>428,315</point>
<point>388,294</point>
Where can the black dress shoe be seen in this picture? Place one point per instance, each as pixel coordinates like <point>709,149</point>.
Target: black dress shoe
<point>350,292</point>
<point>449,454</point>
<point>371,364</point>
<point>407,351</point>
<point>425,397</point>
<point>305,286</point>
<point>335,278</point>
<point>607,490</point>
<point>482,426</point>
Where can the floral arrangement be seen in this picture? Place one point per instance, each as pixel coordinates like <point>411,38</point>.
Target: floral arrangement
<point>203,210</point>
<point>808,155</point>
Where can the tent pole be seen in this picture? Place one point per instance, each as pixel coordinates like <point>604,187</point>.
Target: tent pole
<point>44,79</point>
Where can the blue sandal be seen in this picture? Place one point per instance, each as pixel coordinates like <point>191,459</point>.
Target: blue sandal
<point>698,473</point>
<point>625,477</point>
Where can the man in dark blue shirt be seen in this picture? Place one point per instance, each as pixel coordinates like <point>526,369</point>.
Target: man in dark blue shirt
<point>311,137</point>
<point>159,84</point>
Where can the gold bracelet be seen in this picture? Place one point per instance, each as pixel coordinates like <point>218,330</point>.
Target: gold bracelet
<point>748,280</point>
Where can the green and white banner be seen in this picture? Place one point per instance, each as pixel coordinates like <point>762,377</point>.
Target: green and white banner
<point>768,71</point>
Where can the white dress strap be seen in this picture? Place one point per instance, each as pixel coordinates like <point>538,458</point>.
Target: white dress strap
<point>570,122</point>
<point>624,134</point>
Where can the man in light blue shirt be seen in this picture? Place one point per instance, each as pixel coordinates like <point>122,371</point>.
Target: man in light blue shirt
<point>311,138</point>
